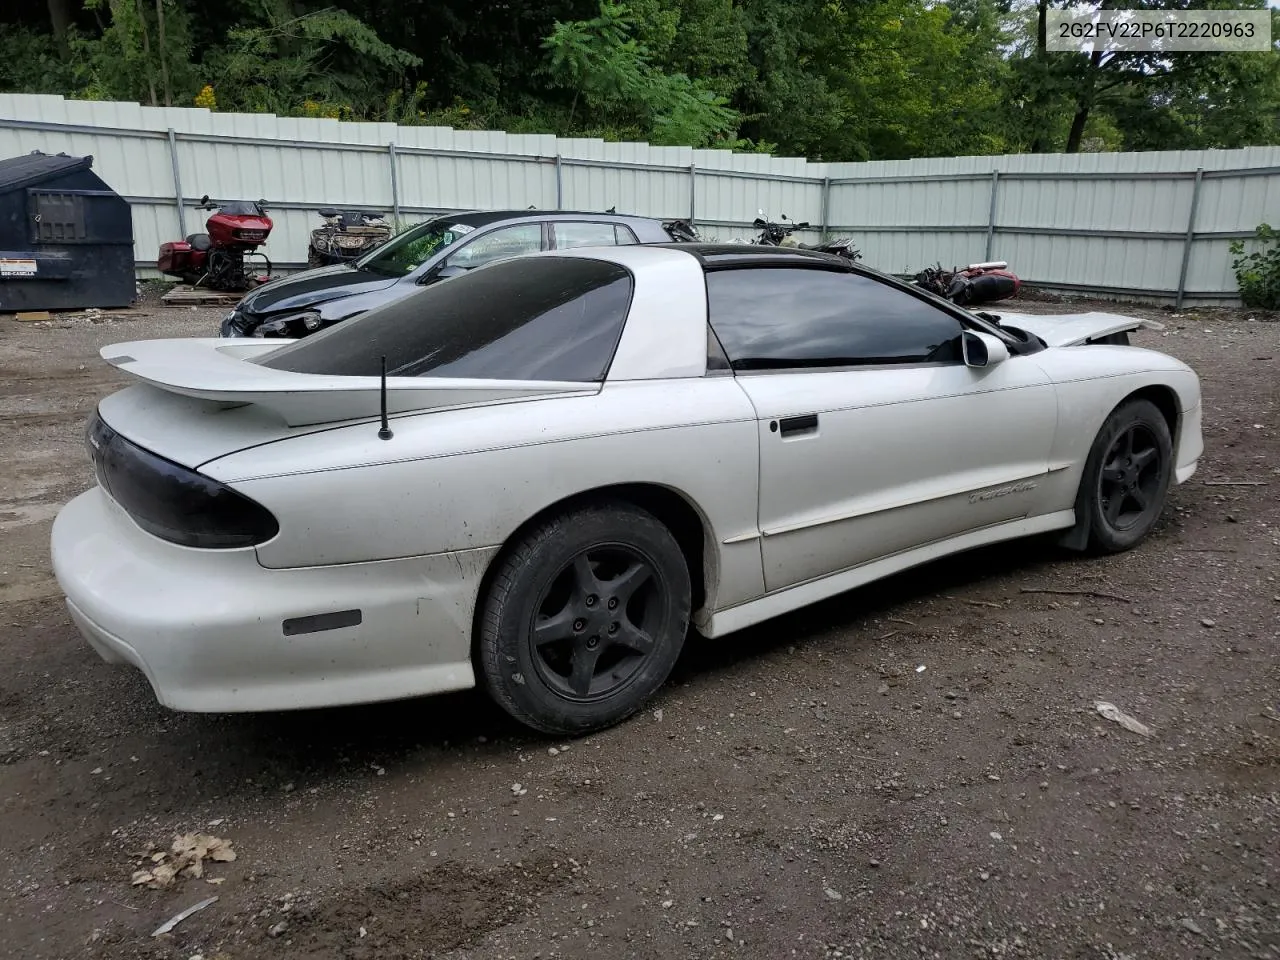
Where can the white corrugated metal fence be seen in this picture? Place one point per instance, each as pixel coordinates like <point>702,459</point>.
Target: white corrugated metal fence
<point>1149,225</point>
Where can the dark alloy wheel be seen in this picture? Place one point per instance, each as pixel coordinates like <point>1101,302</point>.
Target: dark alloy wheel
<point>1126,476</point>
<point>1130,482</point>
<point>585,618</point>
<point>591,631</point>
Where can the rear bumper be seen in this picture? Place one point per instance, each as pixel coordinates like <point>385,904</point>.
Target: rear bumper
<point>207,629</point>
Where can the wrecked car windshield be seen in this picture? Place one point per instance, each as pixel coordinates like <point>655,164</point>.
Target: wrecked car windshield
<point>405,253</point>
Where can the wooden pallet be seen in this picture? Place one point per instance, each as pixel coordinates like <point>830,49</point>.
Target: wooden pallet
<point>185,296</point>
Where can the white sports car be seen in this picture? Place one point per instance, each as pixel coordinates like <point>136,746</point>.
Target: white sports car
<point>572,457</point>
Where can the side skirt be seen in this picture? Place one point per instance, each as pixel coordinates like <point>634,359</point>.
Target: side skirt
<point>800,595</point>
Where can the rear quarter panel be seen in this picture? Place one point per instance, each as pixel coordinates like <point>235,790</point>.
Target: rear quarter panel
<point>458,480</point>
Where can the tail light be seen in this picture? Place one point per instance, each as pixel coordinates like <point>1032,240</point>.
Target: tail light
<point>171,501</point>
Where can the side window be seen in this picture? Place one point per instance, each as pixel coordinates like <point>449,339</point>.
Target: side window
<point>499,245</point>
<point>569,235</point>
<point>778,317</point>
<point>625,235</point>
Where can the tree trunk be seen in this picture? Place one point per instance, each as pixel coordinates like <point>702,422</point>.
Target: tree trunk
<point>60,21</point>
<point>146,53</point>
<point>1084,100</point>
<point>164,55</point>
<point>1077,128</point>
<point>1039,141</point>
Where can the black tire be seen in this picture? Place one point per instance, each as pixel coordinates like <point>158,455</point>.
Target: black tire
<point>1126,477</point>
<point>584,619</point>
<point>314,259</point>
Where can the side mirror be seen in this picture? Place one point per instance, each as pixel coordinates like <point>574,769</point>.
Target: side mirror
<point>444,273</point>
<point>204,201</point>
<point>982,349</point>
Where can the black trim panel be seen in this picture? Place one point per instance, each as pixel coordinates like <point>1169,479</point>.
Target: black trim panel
<point>321,621</point>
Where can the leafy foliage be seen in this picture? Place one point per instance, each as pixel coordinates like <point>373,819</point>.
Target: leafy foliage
<point>1258,269</point>
<point>612,72</point>
<point>828,79</point>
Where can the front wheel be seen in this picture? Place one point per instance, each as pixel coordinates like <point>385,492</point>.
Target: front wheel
<point>1126,477</point>
<point>585,618</point>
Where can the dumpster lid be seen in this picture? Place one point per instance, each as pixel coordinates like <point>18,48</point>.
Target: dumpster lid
<point>36,166</point>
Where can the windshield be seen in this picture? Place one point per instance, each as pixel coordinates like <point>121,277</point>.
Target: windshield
<point>406,252</point>
<point>241,208</point>
<point>986,322</point>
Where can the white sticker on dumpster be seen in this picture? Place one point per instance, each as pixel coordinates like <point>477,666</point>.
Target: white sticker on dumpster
<point>10,267</point>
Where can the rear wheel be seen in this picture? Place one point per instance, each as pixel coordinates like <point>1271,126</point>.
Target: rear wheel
<point>313,258</point>
<point>1126,477</point>
<point>585,618</point>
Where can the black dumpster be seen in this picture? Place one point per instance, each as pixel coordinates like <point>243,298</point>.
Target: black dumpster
<point>66,238</point>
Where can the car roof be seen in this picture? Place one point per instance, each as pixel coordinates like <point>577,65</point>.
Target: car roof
<point>727,256</point>
<point>715,255</point>
<point>483,218</point>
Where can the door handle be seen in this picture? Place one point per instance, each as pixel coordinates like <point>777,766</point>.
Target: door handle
<point>791,426</point>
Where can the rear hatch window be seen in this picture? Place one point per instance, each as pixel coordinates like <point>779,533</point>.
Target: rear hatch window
<point>540,318</point>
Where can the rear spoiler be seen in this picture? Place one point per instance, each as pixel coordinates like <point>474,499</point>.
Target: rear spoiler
<point>221,370</point>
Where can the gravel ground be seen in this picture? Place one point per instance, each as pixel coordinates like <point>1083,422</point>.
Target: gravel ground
<point>911,770</point>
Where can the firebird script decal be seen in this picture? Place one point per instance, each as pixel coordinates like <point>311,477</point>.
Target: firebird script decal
<point>1021,487</point>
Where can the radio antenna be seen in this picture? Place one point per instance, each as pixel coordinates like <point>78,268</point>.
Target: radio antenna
<point>385,432</point>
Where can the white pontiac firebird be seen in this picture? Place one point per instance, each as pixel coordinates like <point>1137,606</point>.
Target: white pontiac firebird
<point>582,454</point>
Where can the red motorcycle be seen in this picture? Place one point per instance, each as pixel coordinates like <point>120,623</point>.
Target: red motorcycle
<point>976,283</point>
<point>216,259</point>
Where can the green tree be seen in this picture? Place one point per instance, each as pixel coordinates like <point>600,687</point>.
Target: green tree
<point>921,81</point>
<point>827,79</point>
<point>611,73</point>
<point>1140,100</point>
<point>281,61</point>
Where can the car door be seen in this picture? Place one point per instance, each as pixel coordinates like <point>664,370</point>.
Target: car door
<point>874,435</point>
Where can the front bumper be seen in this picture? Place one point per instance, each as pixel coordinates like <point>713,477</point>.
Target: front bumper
<point>1189,444</point>
<point>206,627</point>
<point>234,324</point>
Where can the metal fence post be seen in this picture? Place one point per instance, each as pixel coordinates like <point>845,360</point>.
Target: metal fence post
<point>991,213</point>
<point>177,181</point>
<point>693,191</point>
<point>826,200</point>
<point>395,182</point>
<point>1191,235</point>
<point>559,182</point>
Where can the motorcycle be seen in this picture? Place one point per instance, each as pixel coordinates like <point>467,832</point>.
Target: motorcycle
<point>216,258</point>
<point>779,235</point>
<point>976,283</point>
<point>682,231</point>
<point>346,234</point>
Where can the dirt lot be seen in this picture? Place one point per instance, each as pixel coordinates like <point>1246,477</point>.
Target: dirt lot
<point>913,770</point>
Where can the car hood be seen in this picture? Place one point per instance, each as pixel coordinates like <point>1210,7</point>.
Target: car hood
<point>313,287</point>
<point>1072,329</point>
